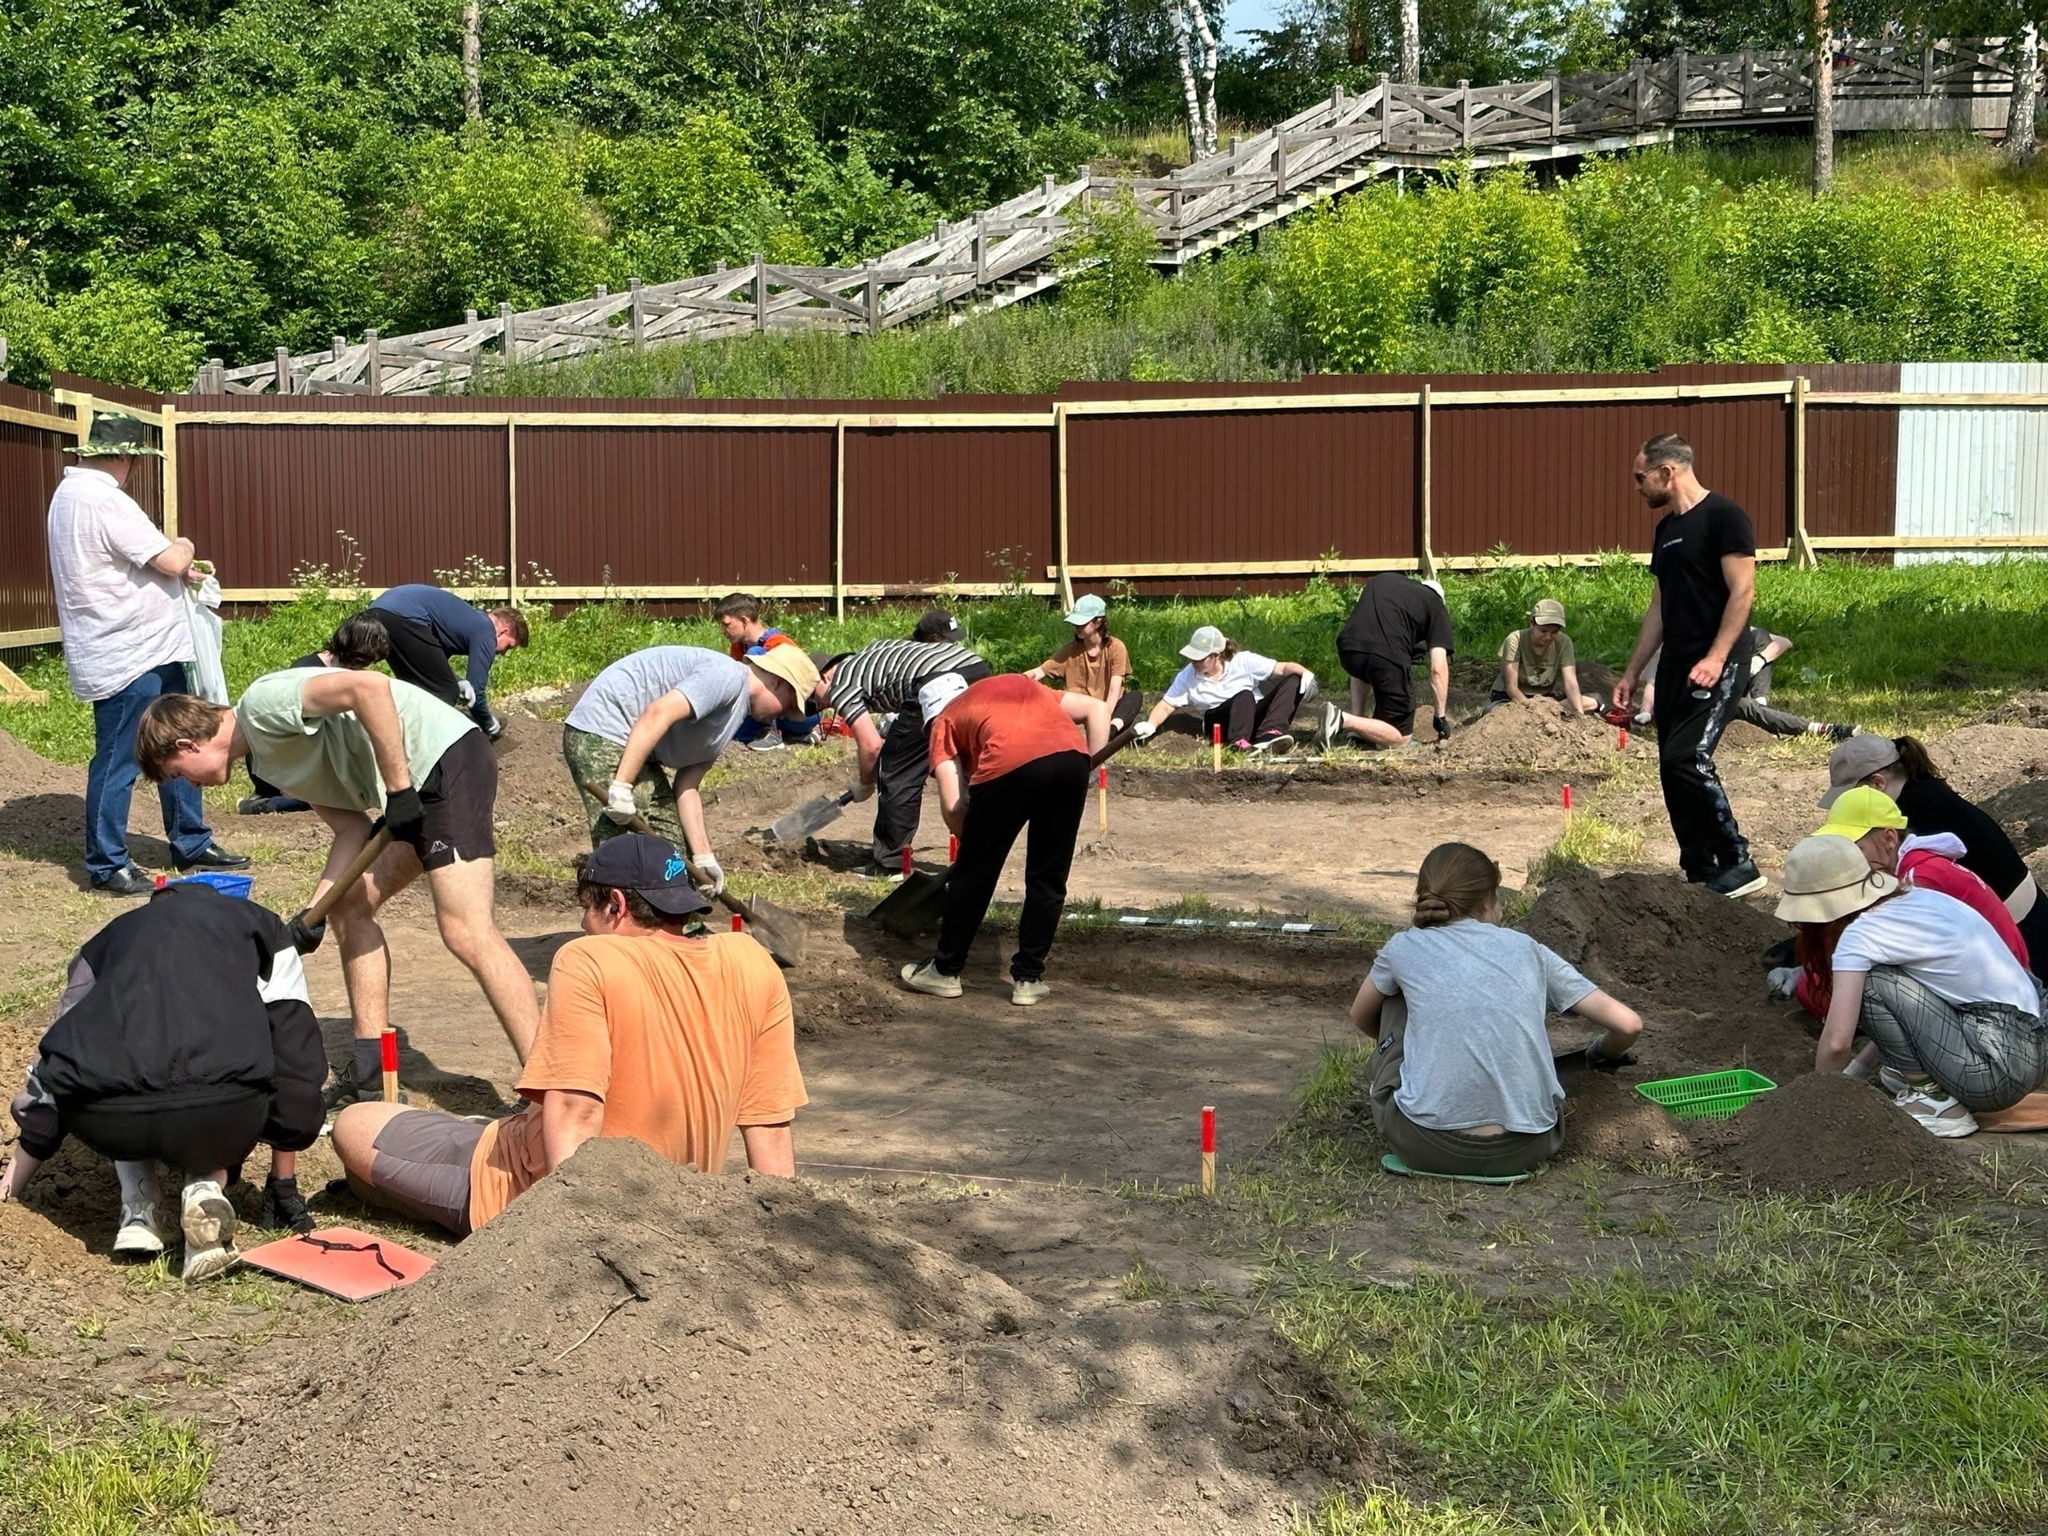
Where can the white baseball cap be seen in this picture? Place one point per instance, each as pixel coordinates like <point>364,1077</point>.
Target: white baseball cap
<point>935,695</point>
<point>1204,642</point>
<point>1086,609</point>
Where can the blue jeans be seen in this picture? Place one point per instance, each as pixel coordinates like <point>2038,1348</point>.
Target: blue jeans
<point>795,729</point>
<point>110,781</point>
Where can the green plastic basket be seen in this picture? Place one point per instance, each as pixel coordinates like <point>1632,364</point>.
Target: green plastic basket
<point>1706,1095</point>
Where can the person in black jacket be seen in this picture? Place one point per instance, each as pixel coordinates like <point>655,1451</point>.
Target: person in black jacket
<point>184,1037</point>
<point>1902,768</point>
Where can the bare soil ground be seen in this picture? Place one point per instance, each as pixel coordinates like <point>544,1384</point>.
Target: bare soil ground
<point>990,1298</point>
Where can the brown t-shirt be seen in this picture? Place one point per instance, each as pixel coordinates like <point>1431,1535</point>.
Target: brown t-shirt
<point>1087,674</point>
<point>1001,723</point>
<point>682,1039</point>
<point>1535,671</point>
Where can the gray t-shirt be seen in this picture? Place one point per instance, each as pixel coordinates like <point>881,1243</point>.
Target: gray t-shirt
<point>1475,1051</point>
<point>715,685</point>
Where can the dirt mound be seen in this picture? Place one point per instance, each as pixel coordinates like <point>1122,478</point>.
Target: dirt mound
<point>1825,1134</point>
<point>1643,932</point>
<point>1607,1121</point>
<point>739,1354</point>
<point>1535,734</point>
<point>1741,736</point>
<point>44,806</point>
<point>1980,760</point>
<point>2026,708</point>
<point>2022,810</point>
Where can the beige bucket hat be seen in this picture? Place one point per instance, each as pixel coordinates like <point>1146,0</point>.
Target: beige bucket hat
<point>1827,877</point>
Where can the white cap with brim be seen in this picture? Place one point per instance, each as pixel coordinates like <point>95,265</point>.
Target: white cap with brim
<point>1828,877</point>
<point>1203,643</point>
<point>941,691</point>
<point>1086,610</point>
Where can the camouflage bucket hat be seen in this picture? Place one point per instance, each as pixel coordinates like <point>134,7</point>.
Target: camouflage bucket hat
<point>115,434</point>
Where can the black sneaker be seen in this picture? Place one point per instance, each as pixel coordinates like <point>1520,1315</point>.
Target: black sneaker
<point>127,881</point>
<point>1737,880</point>
<point>213,856</point>
<point>347,1089</point>
<point>1783,953</point>
<point>1841,732</point>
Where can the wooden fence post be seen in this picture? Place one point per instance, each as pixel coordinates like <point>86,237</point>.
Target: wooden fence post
<point>839,519</point>
<point>1386,112</point>
<point>980,248</point>
<point>638,320</point>
<point>375,350</point>
<point>1424,532</point>
<point>872,311</point>
<point>508,335</point>
<point>1748,81</point>
<point>1279,163</point>
<point>760,293</point>
<point>1465,114</point>
<point>1802,551</point>
<point>1059,438</point>
<point>284,370</point>
<point>1556,107</point>
<point>169,499</point>
<point>1678,85</point>
<point>512,512</point>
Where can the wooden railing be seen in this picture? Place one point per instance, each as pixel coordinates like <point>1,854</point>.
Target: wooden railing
<point>1006,252</point>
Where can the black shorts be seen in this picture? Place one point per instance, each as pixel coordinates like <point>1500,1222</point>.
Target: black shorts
<point>1392,683</point>
<point>460,797</point>
<point>196,1137</point>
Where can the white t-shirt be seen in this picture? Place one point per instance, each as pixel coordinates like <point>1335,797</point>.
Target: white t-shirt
<point>119,618</point>
<point>1190,690</point>
<point>1943,945</point>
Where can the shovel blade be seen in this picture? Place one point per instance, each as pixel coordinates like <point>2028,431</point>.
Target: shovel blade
<point>794,826</point>
<point>780,931</point>
<point>913,908</point>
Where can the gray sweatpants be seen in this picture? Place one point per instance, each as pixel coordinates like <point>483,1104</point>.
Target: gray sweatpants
<point>1987,1055</point>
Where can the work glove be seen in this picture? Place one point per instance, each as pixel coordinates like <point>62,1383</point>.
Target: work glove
<point>1309,688</point>
<point>862,793</point>
<point>403,814</point>
<point>619,803</point>
<point>493,726</point>
<point>466,691</point>
<point>707,873</point>
<point>306,936</point>
<point>1600,1062</point>
<point>1143,732</point>
<point>1443,727</point>
<point>284,1208</point>
<point>1756,665</point>
<point>1783,983</point>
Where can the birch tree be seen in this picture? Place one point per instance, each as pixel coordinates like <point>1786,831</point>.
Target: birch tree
<point>1196,40</point>
<point>1823,102</point>
<point>473,60</point>
<point>2026,97</point>
<point>1411,42</point>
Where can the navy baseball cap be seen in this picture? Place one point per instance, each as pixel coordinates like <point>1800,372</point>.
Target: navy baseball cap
<point>649,866</point>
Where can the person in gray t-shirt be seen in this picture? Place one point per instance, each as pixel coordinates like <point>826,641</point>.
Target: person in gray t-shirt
<point>640,739</point>
<point>1463,1081</point>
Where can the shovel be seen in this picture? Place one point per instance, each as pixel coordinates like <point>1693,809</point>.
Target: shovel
<point>812,816</point>
<point>914,906</point>
<point>780,930</point>
<point>316,914</point>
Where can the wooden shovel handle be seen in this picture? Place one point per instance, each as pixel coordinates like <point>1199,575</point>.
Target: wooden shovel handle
<point>316,914</point>
<point>640,824</point>
<point>1114,745</point>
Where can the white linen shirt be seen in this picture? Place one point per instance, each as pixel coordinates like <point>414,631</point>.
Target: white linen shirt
<point>119,618</point>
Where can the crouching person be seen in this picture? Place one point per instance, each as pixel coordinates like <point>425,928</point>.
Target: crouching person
<point>184,1037</point>
<point>651,1032</point>
<point>1463,1081</point>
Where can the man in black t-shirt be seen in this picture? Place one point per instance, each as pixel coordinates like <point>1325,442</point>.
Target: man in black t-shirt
<point>1396,622</point>
<point>1703,557</point>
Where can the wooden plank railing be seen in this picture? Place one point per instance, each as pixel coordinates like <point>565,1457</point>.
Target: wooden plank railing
<point>1006,252</point>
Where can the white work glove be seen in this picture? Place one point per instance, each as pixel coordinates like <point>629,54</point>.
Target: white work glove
<point>619,803</point>
<point>1782,982</point>
<point>862,793</point>
<point>1143,732</point>
<point>1756,664</point>
<point>1309,689</point>
<point>466,692</point>
<point>708,873</point>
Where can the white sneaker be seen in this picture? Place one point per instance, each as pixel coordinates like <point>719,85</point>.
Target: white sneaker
<point>141,1235</point>
<point>1026,994</point>
<point>1893,1083</point>
<point>1938,1114</point>
<point>1327,727</point>
<point>209,1222</point>
<point>926,978</point>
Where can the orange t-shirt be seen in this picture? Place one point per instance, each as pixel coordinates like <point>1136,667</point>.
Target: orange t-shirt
<point>683,1039</point>
<point>1002,723</point>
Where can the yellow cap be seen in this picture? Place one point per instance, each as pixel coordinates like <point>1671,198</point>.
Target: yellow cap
<point>1860,809</point>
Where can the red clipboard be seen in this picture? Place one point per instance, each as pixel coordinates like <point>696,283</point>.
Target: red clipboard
<point>342,1261</point>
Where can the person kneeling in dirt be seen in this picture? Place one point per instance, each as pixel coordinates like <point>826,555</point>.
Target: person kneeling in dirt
<point>184,1037</point>
<point>654,1031</point>
<point>1006,757</point>
<point>1871,820</point>
<point>1251,697</point>
<point>1464,1081</point>
<point>1540,662</point>
<point>1953,1018</point>
<point>1397,621</point>
<point>1093,665</point>
<point>356,745</point>
<point>1903,769</point>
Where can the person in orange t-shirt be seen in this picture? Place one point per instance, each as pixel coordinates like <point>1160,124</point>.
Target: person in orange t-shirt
<point>1007,757</point>
<point>650,1033</point>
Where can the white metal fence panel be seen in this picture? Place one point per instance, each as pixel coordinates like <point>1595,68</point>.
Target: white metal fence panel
<point>1969,471</point>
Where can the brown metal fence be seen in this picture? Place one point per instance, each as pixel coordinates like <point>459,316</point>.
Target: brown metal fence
<point>1173,488</point>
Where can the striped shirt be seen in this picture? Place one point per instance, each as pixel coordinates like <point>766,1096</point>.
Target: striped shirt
<point>884,677</point>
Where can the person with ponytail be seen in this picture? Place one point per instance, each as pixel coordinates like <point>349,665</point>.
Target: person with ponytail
<point>1904,769</point>
<point>1464,1081</point>
<point>1953,1018</point>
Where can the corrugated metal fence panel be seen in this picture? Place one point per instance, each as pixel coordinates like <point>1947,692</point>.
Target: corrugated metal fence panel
<point>1969,470</point>
<point>1852,452</point>
<point>929,505</point>
<point>263,501</point>
<point>675,506</point>
<point>1241,486</point>
<point>31,463</point>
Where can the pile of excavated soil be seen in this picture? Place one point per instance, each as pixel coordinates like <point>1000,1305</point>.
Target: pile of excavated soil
<point>2025,708</point>
<point>1607,1121</point>
<point>45,801</point>
<point>2022,809</point>
<point>1639,932</point>
<point>1741,736</point>
<point>1980,760</point>
<point>742,1355</point>
<point>1825,1134</point>
<point>1536,734</point>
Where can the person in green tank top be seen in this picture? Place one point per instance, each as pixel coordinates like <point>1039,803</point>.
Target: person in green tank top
<point>366,750</point>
